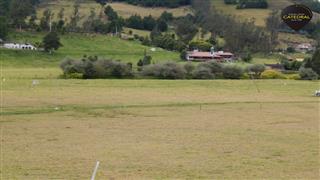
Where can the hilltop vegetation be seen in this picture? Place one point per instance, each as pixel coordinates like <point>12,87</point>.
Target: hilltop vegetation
<point>77,45</point>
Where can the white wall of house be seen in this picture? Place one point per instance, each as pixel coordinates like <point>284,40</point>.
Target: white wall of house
<point>19,46</point>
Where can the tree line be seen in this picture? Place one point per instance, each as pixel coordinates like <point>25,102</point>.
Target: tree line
<point>93,67</point>
<point>239,36</point>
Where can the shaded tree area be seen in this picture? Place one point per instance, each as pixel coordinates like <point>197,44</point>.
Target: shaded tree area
<point>239,36</point>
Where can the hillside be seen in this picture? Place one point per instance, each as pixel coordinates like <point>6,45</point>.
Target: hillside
<point>259,15</point>
<point>77,45</point>
<point>123,9</point>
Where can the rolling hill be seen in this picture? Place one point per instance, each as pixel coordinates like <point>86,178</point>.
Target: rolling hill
<point>77,45</point>
<point>259,15</point>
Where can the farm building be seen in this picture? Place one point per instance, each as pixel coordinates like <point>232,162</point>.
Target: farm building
<point>304,47</point>
<point>19,46</point>
<point>219,56</point>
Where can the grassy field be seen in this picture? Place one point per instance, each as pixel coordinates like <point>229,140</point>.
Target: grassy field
<point>75,46</point>
<point>123,9</point>
<point>143,129</point>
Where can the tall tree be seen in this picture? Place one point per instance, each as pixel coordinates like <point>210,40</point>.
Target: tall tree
<point>46,20</point>
<point>51,42</point>
<point>88,25</point>
<point>75,18</point>
<point>273,23</point>
<point>61,20</point>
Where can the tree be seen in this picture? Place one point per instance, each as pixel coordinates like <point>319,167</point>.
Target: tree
<point>110,13</point>
<point>45,22</point>
<point>51,42</point>
<point>75,18</point>
<point>19,11</point>
<point>135,22</point>
<point>162,25</point>
<point>273,23</point>
<point>3,28</point>
<point>61,22</point>
<point>314,62</point>
<point>149,23</point>
<point>186,30</point>
<point>166,16</point>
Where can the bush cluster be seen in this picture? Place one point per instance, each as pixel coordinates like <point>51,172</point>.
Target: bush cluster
<point>94,68</point>
<point>272,74</point>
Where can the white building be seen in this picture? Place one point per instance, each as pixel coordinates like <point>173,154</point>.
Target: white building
<point>304,47</point>
<point>19,46</point>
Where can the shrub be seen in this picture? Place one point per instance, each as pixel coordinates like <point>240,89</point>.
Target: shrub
<point>308,74</point>
<point>294,76</point>
<point>232,72</point>
<point>290,50</point>
<point>72,76</point>
<point>272,74</point>
<point>183,55</point>
<point>189,67</point>
<point>314,62</point>
<point>200,45</point>
<point>291,65</point>
<point>169,70</point>
<point>203,72</point>
<point>256,69</point>
<point>215,67</point>
<point>92,67</point>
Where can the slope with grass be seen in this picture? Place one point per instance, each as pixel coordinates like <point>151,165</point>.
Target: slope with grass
<point>77,45</point>
<point>259,15</point>
<point>123,9</point>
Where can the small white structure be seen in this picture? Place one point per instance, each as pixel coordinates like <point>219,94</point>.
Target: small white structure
<point>19,46</point>
<point>304,47</point>
<point>317,93</point>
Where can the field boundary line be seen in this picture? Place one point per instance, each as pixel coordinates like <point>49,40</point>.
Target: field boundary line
<point>64,108</point>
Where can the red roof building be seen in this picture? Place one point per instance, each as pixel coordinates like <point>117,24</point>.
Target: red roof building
<point>207,56</point>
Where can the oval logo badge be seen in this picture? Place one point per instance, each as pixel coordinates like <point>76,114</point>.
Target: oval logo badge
<point>296,16</point>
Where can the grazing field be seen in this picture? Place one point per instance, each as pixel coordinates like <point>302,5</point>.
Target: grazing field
<point>77,45</point>
<point>159,129</point>
<point>123,9</point>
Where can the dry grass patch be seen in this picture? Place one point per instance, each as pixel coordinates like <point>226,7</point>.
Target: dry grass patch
<point>153,129</point>
<point>123,9</point>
